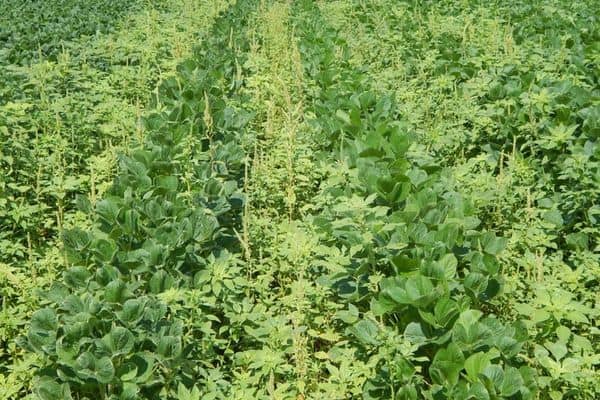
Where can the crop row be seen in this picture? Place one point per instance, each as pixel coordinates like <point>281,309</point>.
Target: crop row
<point>105,331</point>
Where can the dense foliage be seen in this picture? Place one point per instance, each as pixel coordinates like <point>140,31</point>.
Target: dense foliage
<point>64,117</point>
<point>326,200</point>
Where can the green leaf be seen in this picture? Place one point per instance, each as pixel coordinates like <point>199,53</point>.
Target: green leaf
<point>168,183</point>
<point>447,365</point>
<point>469,318</point>
<point>119,341</point>
<point>72,304</point>
<point>47,389</point>
<point>366,331</point>
<point>160,282</point>
<point>418,291</point>
<point>343,116</point>
<point>185,394</point>
<point>414,333</point>
<point>132,311</point>
<point>382,305</point>
<point>89,367</point>
<point>445,310</point>
<point>554,217</point>
<point>475,364</point>
<point>44,320</point>
<point>116,292</point>
<point>105,371</point>
<point>83,204</point>
<point>478,392</point>
<point>127,371</point>
<point>563,333</point>
<point>67,351</point>
<point>76,239</point>
<point>42,331</point>
<point>492,244</point>
<point>349,316</point>
<point>144,362</point>
<point>577,240</point>
<point>129,391</point>
<point>540,315</point>
<point>512,382</point>
<point>104,250</point>
<point>417,176</point>
<point>558,350</point>
<point>476,283</point>
<point>399,142</point>
<point>169,347</point>
<point>494,373</point>
<point>76,277</point>
<point>108,210</point>
<point>468,332</point>
<point>449,264</point>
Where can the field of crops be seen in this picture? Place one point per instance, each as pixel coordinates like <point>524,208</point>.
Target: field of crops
<point>294,200</point>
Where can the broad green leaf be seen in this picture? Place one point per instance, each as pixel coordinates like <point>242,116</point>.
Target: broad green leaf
<point>446,365</point>
<point>414,333</point>
<point>48,389</point>
<point>477,391</point>
<point>366,331</point>
<point>76,277</point>
<point>129,391</point>
<point>119,341</point>
<point>108,210</point>
<point>475,364</point>
<point>169,347</point>
<point>512,382</point>
<point>104,249</point>
<point>445,310</point>
<point>127,371</point>
<point>494,373</point>
<point>168,183</point>
<point>42,331</point>
<point>349,316</point>
<point>558,350</point>
<point>132,311</point>
<point>492,244</point>
<point>449,263</point>
<point>417,176</point>
<point>468,332</point>
<point>89,367</point>
<point>44,320</point>
<point>554,217</point>
<point>105,370</point>
<point>116,292</point>
<point>144,362</point>
<point>563,334</point>
<point>476,283</point>
<point>399,142</point>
